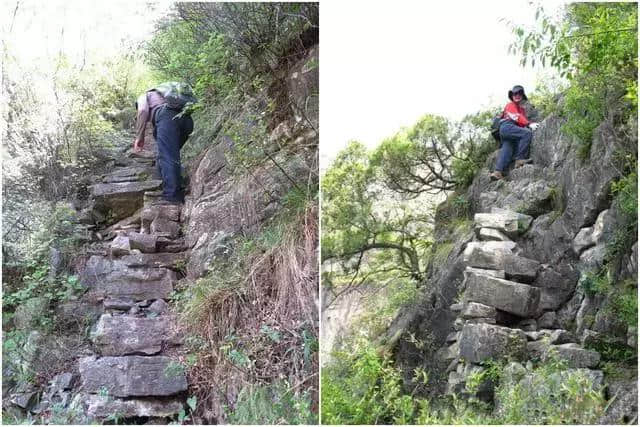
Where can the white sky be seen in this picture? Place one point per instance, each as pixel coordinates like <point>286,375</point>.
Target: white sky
<point>385,64</point>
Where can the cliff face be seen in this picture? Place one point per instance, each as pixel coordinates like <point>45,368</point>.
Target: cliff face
<point>515,282</point>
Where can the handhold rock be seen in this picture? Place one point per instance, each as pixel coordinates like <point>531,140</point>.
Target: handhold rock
<point>123,335</point>
<point>474,309</point>
<point>105,406</point>
<point>516,298</point>
<point>126,376</point>
<point>483,341</point>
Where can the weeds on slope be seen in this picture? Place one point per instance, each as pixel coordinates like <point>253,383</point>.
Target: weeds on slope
<point>252,327</point>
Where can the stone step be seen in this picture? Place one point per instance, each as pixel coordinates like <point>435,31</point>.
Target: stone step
<point>516,268</point>
<point>508,222</point>
<point>122,199</point>
<point>130,174</point>
<point>132,376</point>
<point>481,341</point>
<point>572,354</point>
<point>128,335</point>
<point>105,406</point>
<point>122,278</point>
<point>512,297</point>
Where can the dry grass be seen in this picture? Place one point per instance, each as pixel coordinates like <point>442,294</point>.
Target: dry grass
<point>257,320</point>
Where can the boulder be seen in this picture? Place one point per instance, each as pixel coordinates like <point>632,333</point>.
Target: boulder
<point>104,406</point>
<point>124,335</point>
<point>126,376</point>
<point>574,355</point>
<point>487,257</point>
<point>515,298</point>
<point>483,341</point>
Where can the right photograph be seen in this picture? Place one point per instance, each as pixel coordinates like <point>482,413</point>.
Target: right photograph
<point>479,214</point>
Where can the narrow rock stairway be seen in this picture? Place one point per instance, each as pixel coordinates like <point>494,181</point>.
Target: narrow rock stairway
<point>135,263</point>
<point>503,310</point>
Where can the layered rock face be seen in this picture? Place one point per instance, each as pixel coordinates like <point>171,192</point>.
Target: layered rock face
<point>511,286</point>
<point>223,203</point>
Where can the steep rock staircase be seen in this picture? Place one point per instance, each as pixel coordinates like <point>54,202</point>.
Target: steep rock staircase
<point>134,371</point>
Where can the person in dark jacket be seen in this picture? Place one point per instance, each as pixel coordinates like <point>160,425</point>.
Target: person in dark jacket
<point>170,133</point>
<point>516,132</point>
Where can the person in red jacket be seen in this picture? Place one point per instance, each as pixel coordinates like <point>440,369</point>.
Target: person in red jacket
<point>515,133</point>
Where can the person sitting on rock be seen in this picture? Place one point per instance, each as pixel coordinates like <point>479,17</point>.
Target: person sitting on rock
<point>163,106</point>
<point>515,133</point>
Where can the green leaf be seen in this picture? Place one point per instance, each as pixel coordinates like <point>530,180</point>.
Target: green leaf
<point>192,402</point>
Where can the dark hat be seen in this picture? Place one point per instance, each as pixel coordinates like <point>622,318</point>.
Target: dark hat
<point>516,89</point>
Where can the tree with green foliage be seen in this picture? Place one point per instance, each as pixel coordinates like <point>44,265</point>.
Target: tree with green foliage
<point>366,231</point>
<point>595,46</point>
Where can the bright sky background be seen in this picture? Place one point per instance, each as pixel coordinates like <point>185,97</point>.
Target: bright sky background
<point>386,64</point>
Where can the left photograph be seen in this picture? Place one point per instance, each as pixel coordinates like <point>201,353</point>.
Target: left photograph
<point>160,213</point>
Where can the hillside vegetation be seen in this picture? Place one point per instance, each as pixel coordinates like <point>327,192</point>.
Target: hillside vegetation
<point>401,219</point>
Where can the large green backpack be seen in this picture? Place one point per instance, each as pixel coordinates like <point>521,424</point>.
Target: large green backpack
<point>176,95</point>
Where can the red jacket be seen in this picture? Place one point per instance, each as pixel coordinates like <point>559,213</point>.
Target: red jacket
<point>514,112</point>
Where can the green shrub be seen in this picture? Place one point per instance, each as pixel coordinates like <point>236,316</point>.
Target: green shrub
<point>276,403</point>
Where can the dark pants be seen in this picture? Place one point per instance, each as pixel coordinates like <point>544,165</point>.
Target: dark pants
<point>171,132</point>
<point>512,138</point>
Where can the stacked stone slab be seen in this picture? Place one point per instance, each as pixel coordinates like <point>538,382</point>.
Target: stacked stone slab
<point>500,304</point>
<point>132,373</point>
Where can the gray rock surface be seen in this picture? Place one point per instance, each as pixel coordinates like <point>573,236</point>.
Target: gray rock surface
<point>575,356</point>
<point>516,298</point>
<point>146,243</point>
<point>122,199</point>
<point>105,406</point>
<point>479,342</point>
<point>132,376</point>
<point>116,279</point>
<point>515,267</point>
<point>474,309</point>
<point>124,335</point>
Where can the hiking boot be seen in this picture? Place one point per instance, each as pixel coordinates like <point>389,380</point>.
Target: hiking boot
<point>522,162</point>
<point>496,176</point>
